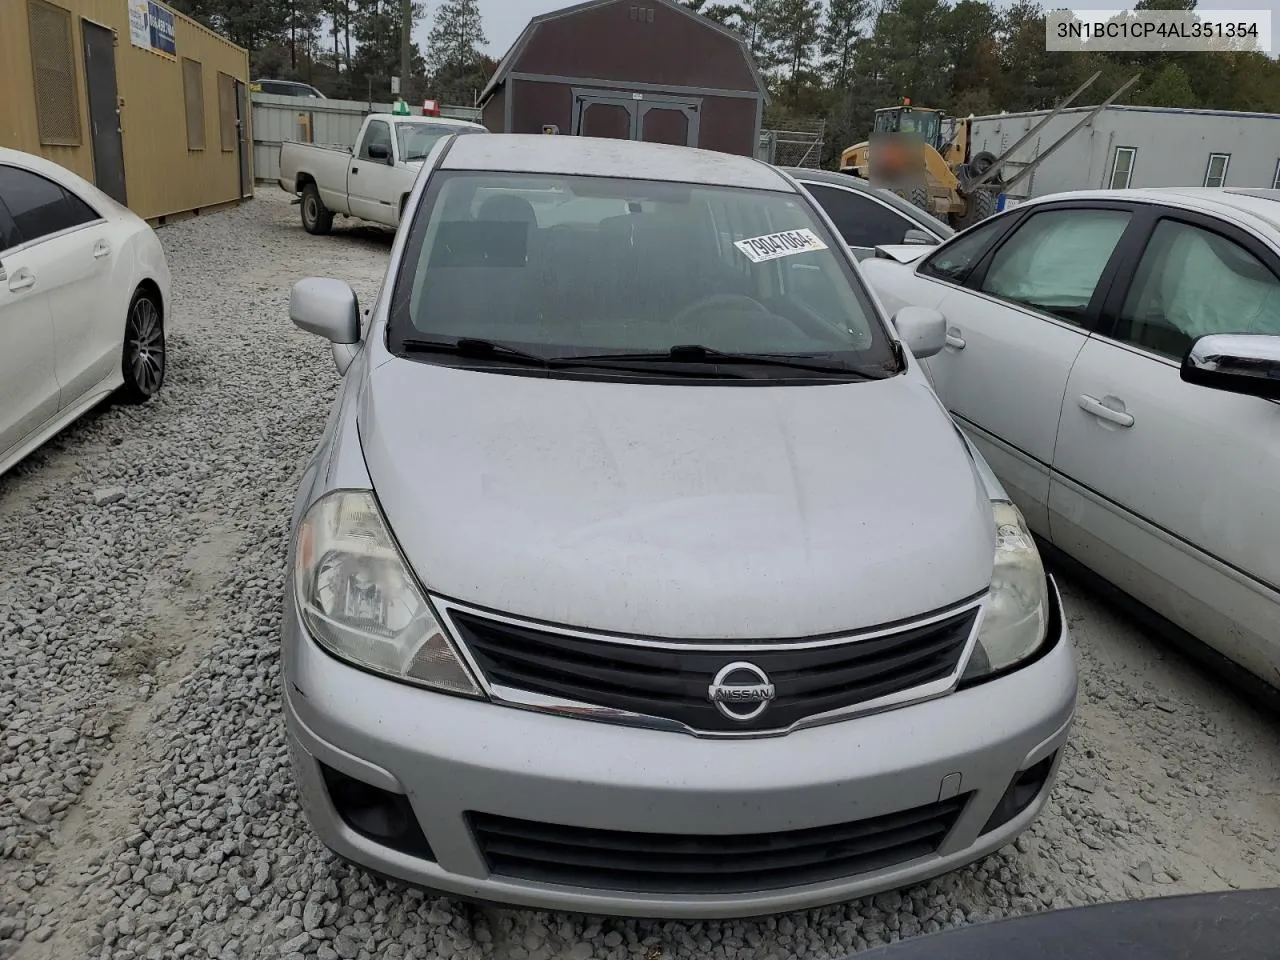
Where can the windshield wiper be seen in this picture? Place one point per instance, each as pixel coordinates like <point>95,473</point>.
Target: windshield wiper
<point>697,353</point>
<point>476,347</point>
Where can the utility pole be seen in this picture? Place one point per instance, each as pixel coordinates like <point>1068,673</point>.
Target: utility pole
<point>406,25</point>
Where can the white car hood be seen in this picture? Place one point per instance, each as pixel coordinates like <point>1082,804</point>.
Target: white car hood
<point>677,511</point>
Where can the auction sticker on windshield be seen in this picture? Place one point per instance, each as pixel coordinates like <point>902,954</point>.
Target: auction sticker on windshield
<point>784,244</point>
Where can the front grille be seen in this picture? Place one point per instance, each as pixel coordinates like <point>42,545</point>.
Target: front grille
<point>709,864</point>
<point>672,680</point>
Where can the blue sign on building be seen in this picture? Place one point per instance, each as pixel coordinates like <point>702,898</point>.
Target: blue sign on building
<point>163,37</point>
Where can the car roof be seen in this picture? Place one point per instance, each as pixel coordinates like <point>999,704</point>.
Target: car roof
<point>600,157</point>
<point>419,118</point>
<point>846,181</point>
<point>64,177</point>
<point>830,176</point>
<point>1259,208</point>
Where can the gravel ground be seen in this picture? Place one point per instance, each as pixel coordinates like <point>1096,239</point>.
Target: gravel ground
<point>145,806</point>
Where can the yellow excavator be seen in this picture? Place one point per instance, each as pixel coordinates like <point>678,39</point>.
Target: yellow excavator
<point>947,181</point>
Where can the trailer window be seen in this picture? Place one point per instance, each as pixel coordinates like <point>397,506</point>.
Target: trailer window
<point>53,72</point>
<point>193,94</point>
<point>1215,175</point>
<point>1122,167</point>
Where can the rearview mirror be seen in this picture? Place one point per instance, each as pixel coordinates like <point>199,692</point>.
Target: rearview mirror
<point>328,308</point>
<point>378,151</point>
<point>1247,364</point>
<point>922,330</point>
<point>914,236</point>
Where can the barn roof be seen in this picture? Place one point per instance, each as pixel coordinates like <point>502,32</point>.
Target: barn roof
<point>512,56</point>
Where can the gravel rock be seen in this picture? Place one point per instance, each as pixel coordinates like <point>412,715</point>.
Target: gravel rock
<point>37,811</point>
<point>139,656</point>
<point>108,495</point>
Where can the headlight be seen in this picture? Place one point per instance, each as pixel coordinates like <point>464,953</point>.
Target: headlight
<point>1017,616</point>
<point>359,600</point>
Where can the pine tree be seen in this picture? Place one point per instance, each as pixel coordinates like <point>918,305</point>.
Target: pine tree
<point>453,46</point>
<point>792,31</point>
<point>841,31</point>
<point>728,14</point>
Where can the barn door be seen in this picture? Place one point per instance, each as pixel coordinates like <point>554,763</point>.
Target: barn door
<point>669,121</point>
<point>605,115</point>
<point>623,115</point>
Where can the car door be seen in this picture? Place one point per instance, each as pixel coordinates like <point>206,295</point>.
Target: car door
<point>367,178</point>
<point>863,220</point>
<point>88,315</point>
<point>28,385</point>
<point>43,280</point>
<point>1166,488</point>
<point>1015,325</point>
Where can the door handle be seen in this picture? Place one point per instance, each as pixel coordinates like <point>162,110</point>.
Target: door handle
<point>954,339</point>
<point>354,171</point>
<point>1100,410</point>
<point>101,249</point>
<point>22,280</point>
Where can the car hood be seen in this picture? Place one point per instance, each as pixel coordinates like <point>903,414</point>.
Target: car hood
<point>678,511</point>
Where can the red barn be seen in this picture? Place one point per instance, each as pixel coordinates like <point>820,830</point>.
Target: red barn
<point>652,70</point>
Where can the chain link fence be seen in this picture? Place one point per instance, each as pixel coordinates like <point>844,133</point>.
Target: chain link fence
<point>799,145</point>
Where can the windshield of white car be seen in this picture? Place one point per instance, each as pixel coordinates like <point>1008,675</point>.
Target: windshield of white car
<point>417,139</point>
<point>582,268</point>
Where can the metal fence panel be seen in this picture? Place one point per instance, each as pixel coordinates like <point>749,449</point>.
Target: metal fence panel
<point>799,146</point>
<point>332,123</point>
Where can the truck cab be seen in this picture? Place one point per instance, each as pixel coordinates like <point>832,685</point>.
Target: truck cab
<point>369,180</point>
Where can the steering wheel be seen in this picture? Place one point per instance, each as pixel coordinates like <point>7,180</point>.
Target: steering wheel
<point>720,301</point>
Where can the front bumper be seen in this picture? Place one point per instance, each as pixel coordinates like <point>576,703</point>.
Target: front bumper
<point>448,759</point>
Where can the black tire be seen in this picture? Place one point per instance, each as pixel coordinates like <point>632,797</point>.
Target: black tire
<point>143,358</point>
<point>981,163</point>
<point>977,207</point>
<point>919,197</point>
<point>316,217</point>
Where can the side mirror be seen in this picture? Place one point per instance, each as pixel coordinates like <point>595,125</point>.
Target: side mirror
<point>378,151</point>
<point>328,308</point>
<point>914,236</point>
<point>1247,364</point>
<point>922,330</point>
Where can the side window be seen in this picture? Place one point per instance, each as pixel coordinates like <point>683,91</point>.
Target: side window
<point>1054,260</point>
<point>861,221</point>
<point>9,236</point>
<point>1190,282</point>
<point>38,206</point>
<point>953,260</point>
<point>379,132</point>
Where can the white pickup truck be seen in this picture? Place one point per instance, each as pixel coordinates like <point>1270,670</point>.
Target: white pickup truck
<point>370,180</point>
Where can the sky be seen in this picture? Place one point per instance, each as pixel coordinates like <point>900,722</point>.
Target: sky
<point>504,19</point>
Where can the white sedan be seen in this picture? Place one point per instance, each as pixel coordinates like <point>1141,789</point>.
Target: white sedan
<point>1115,355</point>
<point>84,289</point>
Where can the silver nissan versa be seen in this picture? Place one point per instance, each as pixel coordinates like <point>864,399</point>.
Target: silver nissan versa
<point>639,570</point>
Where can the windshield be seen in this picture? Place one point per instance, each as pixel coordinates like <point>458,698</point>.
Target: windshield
<point>417,139</point>
<point>566,267</point>
<point>926,123</point>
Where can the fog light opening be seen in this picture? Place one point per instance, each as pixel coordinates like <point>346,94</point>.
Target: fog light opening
<point>376,814</point>
<point>1021,793</point>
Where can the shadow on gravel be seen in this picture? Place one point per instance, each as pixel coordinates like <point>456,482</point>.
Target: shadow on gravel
<point>1223,677</point>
